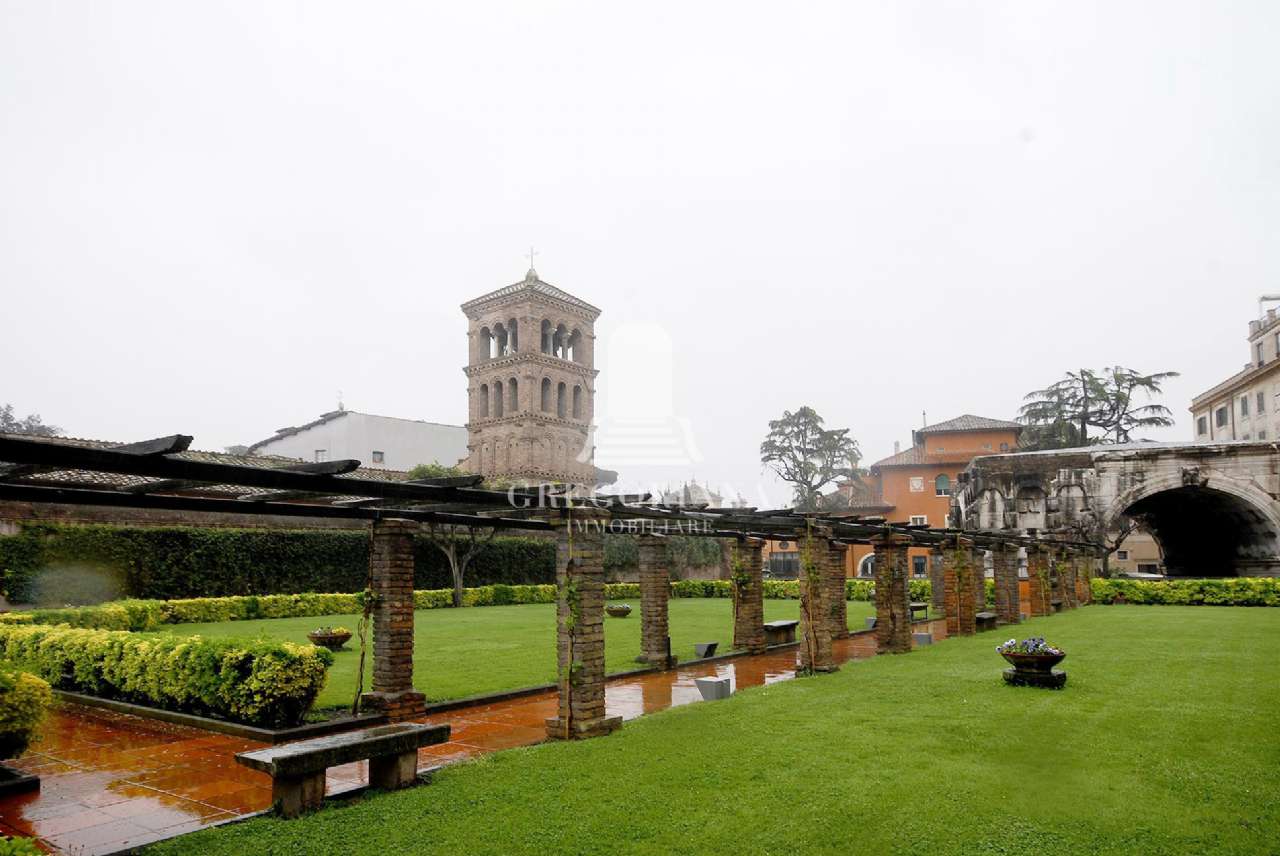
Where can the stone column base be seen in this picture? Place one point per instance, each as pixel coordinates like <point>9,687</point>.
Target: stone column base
<point>662,661</point>
<point>396,706</point>
<point>582,729</point>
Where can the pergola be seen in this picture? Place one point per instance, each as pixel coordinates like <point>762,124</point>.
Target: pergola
<point>50,471</point>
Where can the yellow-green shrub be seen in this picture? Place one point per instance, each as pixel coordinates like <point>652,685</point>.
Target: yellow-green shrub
<point>255,682</point>
<point>24,699</point>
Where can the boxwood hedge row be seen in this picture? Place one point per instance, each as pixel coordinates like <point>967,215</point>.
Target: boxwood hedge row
<point>270,684</point>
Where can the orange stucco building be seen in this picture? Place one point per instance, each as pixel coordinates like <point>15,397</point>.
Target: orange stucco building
<point>913,485</point>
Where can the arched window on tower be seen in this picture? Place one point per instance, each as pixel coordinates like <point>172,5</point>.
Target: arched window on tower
<point>546,395</point>
<point>575,346</point>
<point>546,336</point>
<point>577,402</point>
<point>497,398</point>
<point>513,336</point>
<point>500,340</point>
<point>560,403</point>
<point>484,399</point>
<point>485,349</point>
<point>560,342</point>
<point>513,396</point>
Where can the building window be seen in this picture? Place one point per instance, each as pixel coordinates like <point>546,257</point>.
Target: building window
<point>1262,403</point>
<point>1247,437</point>
<point>916,484</point>
<point>378,457</point>
<point>1220,417</point>
<point>1004,447</point>
<point>1122,555</point>
<point>784,565</point>
<point>1257,352</point>
<point>1202,426</point>
<point>942,486</point>
<point>1148,568</point>
<point>919,520</point>
<point>1244,405</point>
<point>986,447</point>
<point>919,566</point>
<point>322,454</point>
<point>1262,433</point>
<point>867,567</point>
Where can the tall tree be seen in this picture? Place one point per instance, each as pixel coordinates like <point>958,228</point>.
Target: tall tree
<point>806,455</point>
<point>30,424</point>
<point>1122,415</point>
<point>1062,414</point>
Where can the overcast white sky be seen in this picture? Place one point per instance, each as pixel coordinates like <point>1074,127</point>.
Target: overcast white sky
<point>215,216</point>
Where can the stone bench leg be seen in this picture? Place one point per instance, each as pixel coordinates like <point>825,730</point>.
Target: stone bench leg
<point>294,795</point>
<point>389,772</point>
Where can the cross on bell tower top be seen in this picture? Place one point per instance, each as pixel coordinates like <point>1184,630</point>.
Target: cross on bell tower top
<point>532,275</point>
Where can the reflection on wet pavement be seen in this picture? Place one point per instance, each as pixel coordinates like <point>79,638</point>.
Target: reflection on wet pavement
<point>111,781</point>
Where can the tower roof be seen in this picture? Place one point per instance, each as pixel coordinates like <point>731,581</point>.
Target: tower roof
<point>533,285</point>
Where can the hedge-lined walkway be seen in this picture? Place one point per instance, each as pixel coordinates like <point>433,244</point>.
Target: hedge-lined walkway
<point>112,781</point>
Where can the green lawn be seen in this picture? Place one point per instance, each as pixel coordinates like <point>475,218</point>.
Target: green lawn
<point>463,652</point>
<point>1165,740</point>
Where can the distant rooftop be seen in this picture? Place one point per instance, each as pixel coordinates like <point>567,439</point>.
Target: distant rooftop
<point>329,417</point>
<point>969,422</point>
<point>531,283</point>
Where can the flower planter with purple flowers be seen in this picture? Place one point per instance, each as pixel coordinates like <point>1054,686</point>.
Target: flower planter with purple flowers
<point>1033,662</point>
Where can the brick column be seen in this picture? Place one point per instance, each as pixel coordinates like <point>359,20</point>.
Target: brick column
<point>391,568</point>
<point>959,596</point>
<point>815,625</point>
<point>580,625</point>
<point>836,599</point>
<point>655,591</point>
<point>937,582</point>
<point>748,596</point>
<point>893,596</point>
<point>1005,558</point>
<point>1084,569</point>
<point>1040,562</point>
<point>1070,594</point>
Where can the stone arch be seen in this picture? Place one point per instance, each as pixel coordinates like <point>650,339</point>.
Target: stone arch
<point>484,347</point>
<point>574,349</point>
<point>513,336</point>
<point>560,342</point>
<point>513,396</point>
<point>1209,527</point>
<point>560,402</point>
<point>500,340</point>
<point>577,402</point>
<point>1073,502</point>
<point>991,509</point>
<point>484,400</point>
<point>546,395</point>
<point>546,345</point>
<point>498,399</point>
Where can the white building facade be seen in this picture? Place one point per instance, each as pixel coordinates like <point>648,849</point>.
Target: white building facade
<point>375,441</point>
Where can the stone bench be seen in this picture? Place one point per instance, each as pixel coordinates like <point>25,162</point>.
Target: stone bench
<point>917,606</point>
<point>297,769</point>
<point>780,632</point>
<point>985,620</point>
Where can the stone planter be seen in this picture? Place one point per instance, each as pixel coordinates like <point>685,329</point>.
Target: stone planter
<point>1035,670</point>
<point>620,610</point>
<point>332,641</point>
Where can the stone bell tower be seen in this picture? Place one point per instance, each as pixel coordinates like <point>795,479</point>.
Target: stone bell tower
<point>531,383</point>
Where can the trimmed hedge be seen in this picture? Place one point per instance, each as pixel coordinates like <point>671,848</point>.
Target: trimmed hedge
<point>261,683</point>
<point>24,699</point>
<point>144,615</point>
<point>185,562</point>
<point>1231,591</point>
